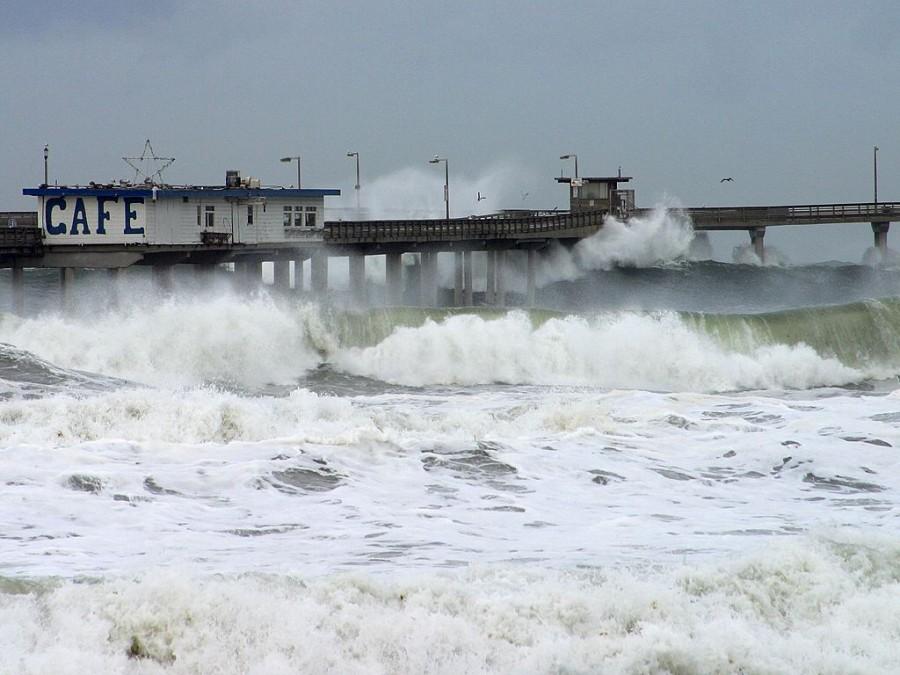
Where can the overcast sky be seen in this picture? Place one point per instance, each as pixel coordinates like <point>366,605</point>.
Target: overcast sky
<point>788,98</point>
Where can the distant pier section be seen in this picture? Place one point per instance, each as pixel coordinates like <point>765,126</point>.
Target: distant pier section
<point>117,226</point>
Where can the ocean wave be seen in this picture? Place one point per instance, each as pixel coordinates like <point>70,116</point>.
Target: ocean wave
<point>617,350</point>
<point>819,604</point>
<point>253,342</point>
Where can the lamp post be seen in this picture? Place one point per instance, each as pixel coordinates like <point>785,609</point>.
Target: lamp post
<point>572,156</point>
<point>356,187</point>
<point>875,171</point>
<point>46,154</point>
<point>436,160</point>
<point>291,159</point>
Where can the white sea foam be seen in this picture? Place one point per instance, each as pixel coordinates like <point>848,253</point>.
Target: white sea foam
<point>746,255</point>
<point>316,484</point>
<point>247,340</point>
<point>657,352</point>
<point>663,236</point>
<point>256,341</point>
<point>818,605</point>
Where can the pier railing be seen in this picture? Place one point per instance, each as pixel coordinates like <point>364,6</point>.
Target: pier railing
<point>744,217</point>
<point>21,240</point>
<point>459,229</point>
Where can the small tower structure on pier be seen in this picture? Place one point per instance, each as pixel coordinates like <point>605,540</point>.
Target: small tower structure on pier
<point>599,193</point>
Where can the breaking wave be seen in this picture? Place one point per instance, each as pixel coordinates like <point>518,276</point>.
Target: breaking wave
<point>819,604</point>
<point>254,342</point>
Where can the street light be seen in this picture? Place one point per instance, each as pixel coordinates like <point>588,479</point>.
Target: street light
<point>572,156</point>
<point>436,160</point>
<point>356,187</point>
<point>291,159</point>
<point>875,170</point>
<point>46,154</point>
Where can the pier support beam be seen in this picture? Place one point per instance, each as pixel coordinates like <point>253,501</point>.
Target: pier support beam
<point>162,278</point>
<point>67,287</point>
<point>241,275</point>
<point>532,277</point>
<point>282,274</point>
<point>428,284</point>
<point>357,265</point>
<point>204,272</point>
<point>393,279</point>
<point>757,238</point>
<point>298,274</point>
<point>18,290</point>
<point>318,271</point>
<point>457,278</point>
<point>500,292</point>
<point>467,274</point>
<point>880,230</point>
<point>114,286</point>
<point>490,278</point>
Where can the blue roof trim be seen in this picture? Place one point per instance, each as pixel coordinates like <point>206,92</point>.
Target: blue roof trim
<point>176,193</point>
<point>87,192</point>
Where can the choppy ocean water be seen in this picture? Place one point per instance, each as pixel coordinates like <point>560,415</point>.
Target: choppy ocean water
<point>680,469</point>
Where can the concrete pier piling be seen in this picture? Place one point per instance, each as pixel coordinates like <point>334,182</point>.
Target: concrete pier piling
<point>357,269</point>
<point>282,274</point>
<point>18,290</point>
<point>457,278</point>
<point>757,239</point>
<point>468,296</point>
<point>114,286</point>
<point>163,278</point>
<point>428,282</point>
<point>880,230</point>
<point>531,285</point>
<point>66,287</point>
<point>298,274</point>
<point>490,277</point>
<point>500,292</point>
<point>318,269</point>
<point>393,279</point>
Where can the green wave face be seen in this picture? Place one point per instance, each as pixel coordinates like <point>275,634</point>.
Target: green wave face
<point>857,334</point>
<point>364,329</point>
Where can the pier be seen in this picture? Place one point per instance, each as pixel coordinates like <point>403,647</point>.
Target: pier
<point>245,226</point>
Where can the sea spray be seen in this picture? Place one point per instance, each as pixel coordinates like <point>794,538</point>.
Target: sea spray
<point>417,192</point>
<point>663,236</point>
<point>180,341</point>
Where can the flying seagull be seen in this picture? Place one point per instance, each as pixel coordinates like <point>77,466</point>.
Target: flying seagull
<point>727,180</point>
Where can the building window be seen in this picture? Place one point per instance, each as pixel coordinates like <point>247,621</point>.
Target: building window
<point>249,215</point>
<point>298,216</point>
<point>198,215</point>
<point>287,216</point>
<point>311,217</point>
<point>210,216</point>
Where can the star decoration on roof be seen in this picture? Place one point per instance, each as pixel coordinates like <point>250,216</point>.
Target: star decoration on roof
<point>149,166</point>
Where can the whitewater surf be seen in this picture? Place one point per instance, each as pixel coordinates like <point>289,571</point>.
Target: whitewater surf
<point>673,469</point>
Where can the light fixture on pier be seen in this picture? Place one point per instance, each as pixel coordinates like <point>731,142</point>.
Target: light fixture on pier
<point>291,159</point>
<point>875,171</point>
<point>436,160</point>
<point>356,187</point>
<point>46,155</point>
<point>572,156</point>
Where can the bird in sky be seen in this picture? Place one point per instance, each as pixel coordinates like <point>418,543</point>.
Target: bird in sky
<point>727,180</point>
<point>524,196</point>
<point>479,197</point>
